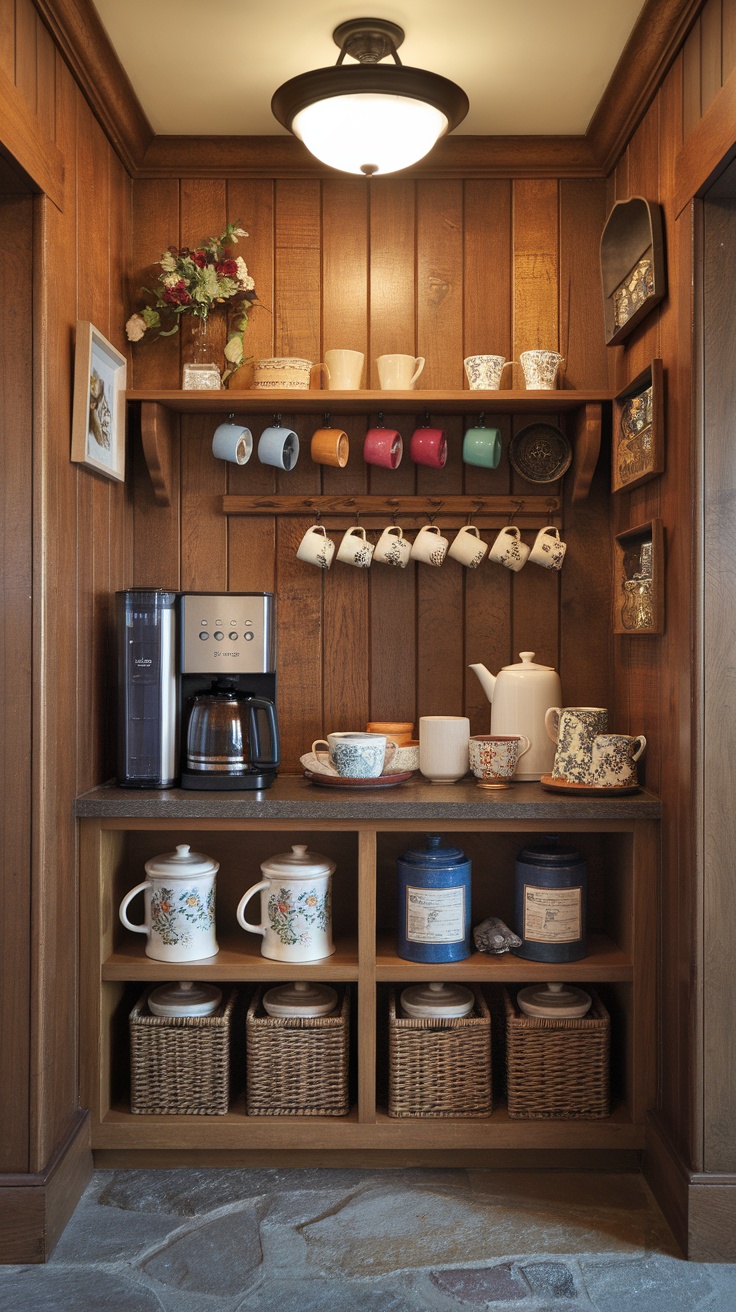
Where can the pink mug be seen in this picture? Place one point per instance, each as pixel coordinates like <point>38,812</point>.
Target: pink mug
<point>428,446</point>
<point>383,446</point>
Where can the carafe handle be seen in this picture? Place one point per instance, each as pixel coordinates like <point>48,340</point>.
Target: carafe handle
<point>258,760</point>
<point>139,888</point>
<point>552,722</point>
<point>245,899</point>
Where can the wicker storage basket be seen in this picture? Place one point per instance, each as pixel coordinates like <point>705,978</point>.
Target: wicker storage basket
<point>180,1065</point>
<point>558,1069</point>
<point>297,1066</point>
<point>440,1067</point>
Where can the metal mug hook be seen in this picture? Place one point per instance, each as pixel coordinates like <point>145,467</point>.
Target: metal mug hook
<point>326,421</point>
<point>277,421</point>
<point>438,506</point>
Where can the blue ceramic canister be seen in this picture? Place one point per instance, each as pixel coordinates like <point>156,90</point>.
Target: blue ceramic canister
<point>434,903</point>
<point>551,890</point>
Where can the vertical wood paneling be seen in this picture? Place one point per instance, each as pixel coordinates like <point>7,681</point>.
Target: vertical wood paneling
<point>582,218</point>
<point>728,37</point>
<point>536,272</point>
<point>392,270</point>
<point>45,80</point>
<point>16,646</point>
<point>691,108</point>
<point>710,52</point>
<point>7,38</point>
<point>25,52</point>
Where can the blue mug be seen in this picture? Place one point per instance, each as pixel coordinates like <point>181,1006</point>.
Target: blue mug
<point>278,447</point>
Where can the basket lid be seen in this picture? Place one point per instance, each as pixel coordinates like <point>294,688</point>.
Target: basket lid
<point>182,864</point>
<point>300,998</point>
<point>434,855</point>
<point>299,863</point>
<point>564,1001</point>
<point>436,999</point>
<point>184,998</point>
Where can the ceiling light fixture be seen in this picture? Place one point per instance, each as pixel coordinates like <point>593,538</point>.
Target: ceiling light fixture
<point>369,117</point>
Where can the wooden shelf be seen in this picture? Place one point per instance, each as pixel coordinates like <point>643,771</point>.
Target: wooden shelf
<point>604,963</point>
<point>239,959</point>
<point>157,411</point>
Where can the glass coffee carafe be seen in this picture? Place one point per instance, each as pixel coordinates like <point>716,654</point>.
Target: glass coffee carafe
<point>225,737</point>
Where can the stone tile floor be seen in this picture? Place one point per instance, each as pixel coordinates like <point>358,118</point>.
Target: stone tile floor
<point>366,1241</point>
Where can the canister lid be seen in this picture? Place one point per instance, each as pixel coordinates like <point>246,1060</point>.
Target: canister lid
<point>184,999</point>
<point>436,999</point>
<point>434,854</point>
<point>298,863</point>
<point>550,853</point>
<point>182,864</point>
<point>300,998</point>
<point>562,1000</point>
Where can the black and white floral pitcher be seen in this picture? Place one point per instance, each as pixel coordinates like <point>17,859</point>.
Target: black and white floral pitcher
<point>179,898</point>
<point>296,906</point>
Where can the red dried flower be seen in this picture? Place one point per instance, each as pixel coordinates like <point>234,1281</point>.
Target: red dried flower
<point>177,295</point>
<point>199,258</point>
<point>227,268</point>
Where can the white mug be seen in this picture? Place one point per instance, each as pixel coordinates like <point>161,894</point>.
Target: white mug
<point>392,547</point>
<point>357,755</point>
<point>398,373</point>
<point>509,550</point>
<point>548,550</point>
<point>232,442</point>
<point>540,369</point>
<point>444,747</point>
<point>484,371</point>
<point>468,547</point>
<point>344,370</point>
<point>429,546</point>
<point>316,548</point>
<point>355,549</point>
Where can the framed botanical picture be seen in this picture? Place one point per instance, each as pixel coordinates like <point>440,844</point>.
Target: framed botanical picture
<point>98,416</point>
<point>637,448</point>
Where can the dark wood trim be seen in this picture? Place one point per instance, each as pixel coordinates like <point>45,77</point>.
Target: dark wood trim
<point>667,1178</point>
<point>654,42</point>
<point>23,141</point>
<point>709,148</point>
<point>34,1209</point>
<point>76,27</point>
<point>699,1206</point>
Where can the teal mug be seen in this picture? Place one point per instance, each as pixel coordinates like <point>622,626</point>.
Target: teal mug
<point>482,446</point>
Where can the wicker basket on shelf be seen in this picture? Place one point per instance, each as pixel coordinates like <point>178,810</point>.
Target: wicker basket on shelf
<point>180,1065</point>
<point>440,1067</point>
<point>297,1066</point>
<point>557,1068</point>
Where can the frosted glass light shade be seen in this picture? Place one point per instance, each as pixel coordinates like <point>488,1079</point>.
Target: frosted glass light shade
<point>369,133</point>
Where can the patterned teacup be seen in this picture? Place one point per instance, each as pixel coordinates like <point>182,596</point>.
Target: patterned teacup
<point>614,758</point>
<point>494,757</point>
<point>574,730</point>
<point>540,369</point>
<point>357,755</point>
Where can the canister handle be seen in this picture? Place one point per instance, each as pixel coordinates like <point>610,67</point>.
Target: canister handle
<point>139,888</point>
<point>245,899</point>
<point>552,722</point>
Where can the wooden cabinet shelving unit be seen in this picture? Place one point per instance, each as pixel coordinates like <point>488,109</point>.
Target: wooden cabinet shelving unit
<point>364,837</point>
<point>158,410</point>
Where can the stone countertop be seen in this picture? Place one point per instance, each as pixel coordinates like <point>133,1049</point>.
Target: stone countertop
<point>293,797</point>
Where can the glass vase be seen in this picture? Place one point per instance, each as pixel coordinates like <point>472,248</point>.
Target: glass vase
<point>200,370</point>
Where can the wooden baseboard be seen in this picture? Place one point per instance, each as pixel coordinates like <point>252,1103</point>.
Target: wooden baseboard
<point>35,1208</point>
<point>700,1206</point>
<point>389,1159</point>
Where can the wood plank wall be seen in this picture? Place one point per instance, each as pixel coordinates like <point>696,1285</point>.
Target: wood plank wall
<point>82,534</point>
<point>441,269</point>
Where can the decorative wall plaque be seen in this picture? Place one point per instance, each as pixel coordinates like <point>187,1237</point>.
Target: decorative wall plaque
<point>637,448</point>
<point>632,265</point>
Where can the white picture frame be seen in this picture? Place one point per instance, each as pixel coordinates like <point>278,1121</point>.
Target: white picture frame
<point>98,415</point>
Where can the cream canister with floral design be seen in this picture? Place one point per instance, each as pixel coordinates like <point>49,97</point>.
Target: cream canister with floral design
<point>296,906</point>
<point>179,900</point>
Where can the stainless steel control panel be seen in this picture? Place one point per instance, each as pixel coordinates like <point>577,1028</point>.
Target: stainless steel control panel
<point>230,633</point>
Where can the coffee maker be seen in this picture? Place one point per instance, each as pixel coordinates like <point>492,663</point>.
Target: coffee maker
<point>227,691</point>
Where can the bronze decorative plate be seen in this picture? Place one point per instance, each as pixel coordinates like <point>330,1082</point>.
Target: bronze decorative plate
<point>540,453</point>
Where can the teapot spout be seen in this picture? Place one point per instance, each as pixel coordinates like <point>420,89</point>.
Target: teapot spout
<point>488,680</point>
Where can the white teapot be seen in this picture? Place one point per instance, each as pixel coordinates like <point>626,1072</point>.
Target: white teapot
<point>520,697</point>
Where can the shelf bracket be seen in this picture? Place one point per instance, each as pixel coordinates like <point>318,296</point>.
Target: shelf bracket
<point>588,423</point>
<point>157,436</point>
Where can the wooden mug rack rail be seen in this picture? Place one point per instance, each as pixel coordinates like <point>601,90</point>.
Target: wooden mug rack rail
<point>450,511</point>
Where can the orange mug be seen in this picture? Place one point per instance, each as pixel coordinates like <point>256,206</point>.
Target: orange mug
<point>330,446</point>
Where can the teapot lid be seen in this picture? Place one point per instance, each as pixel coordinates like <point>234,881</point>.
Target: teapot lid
<point>181,864</point>
<point>434,854</point>
<point>436,999</point>
<point>184,999</point>
<point>527,662</point>
<point>299,863</point>
<point>300,998</point>
<point>561,1000</point>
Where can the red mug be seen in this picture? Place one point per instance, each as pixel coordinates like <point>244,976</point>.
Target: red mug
<point>383,446</point>
<point>428,446</point>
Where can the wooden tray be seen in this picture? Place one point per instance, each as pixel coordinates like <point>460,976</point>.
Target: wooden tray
<point>588,790</point>
<point>338,781</point>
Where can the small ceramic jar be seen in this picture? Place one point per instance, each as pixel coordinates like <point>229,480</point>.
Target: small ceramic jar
<point>296,906</point>
<point>179,896</point>
<point>434,903</point>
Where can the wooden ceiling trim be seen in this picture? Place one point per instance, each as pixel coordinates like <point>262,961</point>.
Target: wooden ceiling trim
<point>658,34</point>
<point>26,146</point>
<point>77,29</point>
<point>709,148</point>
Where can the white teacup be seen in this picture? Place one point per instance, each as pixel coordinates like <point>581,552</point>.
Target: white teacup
<point>443,747</point>
<point>429,546</point>
<point>392,547</point>
<point>356,755</point>
<point>399,373</point>
<point>613,760</point>
<point>232,442</point>
<point>540,369</point>
<point>344,370</point>
<point>316,548</point>
<point>468,547</point>
<point>509,550</point>
<point>494,757</point>
<point>355,549</point>
<point>484,372</point>
<point>548,550</point>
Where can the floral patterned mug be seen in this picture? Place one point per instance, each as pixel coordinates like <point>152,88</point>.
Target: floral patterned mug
<point>296,906</point>
<point>179,896</point>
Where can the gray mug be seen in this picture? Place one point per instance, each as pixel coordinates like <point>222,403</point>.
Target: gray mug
<point>278,447</point>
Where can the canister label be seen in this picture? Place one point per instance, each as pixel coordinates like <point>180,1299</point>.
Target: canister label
<point>435,915</point>
<point>553,915</point>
